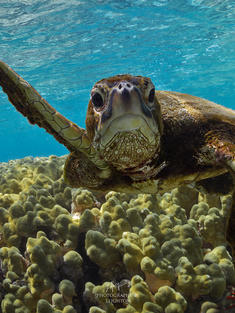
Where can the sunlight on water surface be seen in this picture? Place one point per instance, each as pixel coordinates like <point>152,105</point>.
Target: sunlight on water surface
<point>63,47</point>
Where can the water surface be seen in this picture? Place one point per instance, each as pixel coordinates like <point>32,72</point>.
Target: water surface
<point>63,47</point>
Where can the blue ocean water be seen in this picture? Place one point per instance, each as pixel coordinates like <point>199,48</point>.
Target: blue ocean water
<point>63,47</point>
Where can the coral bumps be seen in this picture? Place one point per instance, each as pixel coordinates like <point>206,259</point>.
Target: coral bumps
<point>70,250</point>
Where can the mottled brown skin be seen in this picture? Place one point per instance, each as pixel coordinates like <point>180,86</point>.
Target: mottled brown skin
<point>198,140</point>
<point>194,144</point>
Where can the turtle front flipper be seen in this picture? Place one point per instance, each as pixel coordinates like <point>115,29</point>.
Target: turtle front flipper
<point>28,102</point>
<point>220,150</point>
<point>231,222</point>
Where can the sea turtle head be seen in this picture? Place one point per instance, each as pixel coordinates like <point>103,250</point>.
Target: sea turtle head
<point>124,121</point>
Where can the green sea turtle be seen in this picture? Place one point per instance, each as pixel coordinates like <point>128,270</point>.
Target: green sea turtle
<point>137,139</point>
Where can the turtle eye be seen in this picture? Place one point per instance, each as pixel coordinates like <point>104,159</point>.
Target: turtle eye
<point>151,95</point>
<point>97,100</point>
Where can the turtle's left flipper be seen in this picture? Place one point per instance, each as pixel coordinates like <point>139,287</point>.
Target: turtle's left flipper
<point>38,111</point>
<point>231,222</point>
<point>221,150</point>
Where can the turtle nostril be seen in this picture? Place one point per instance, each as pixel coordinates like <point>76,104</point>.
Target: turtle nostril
<point>120,86</point>
<point>126,95</point>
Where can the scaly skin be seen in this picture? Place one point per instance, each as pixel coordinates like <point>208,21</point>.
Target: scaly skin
<point>28,101</point>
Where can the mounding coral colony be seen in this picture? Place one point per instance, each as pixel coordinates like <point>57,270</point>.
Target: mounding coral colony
<point>137,219</point>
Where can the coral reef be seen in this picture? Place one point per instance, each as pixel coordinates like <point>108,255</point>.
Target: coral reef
<point>70,250</point>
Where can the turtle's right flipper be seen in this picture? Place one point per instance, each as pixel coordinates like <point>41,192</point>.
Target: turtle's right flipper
<point>28,101</point>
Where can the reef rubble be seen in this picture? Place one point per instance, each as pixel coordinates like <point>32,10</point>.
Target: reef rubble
<point>70,250</point>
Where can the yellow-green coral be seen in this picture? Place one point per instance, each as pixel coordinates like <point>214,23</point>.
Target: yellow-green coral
<point>209,307</point>
<point>101,250</point>
<point>12,260</point>
<point>64,250</point>
<point>212,220</point>
<point>105,296</point>
<point>72,265</point>
<point>170,300</point>
<point>82,200</point>
<point>220,256</point>
<point>139,293</point>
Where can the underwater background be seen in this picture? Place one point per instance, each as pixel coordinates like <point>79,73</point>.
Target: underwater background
<point>67,250</point>
<point>63,47</point>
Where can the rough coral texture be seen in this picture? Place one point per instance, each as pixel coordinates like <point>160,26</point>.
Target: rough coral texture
<point>70,250</point>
